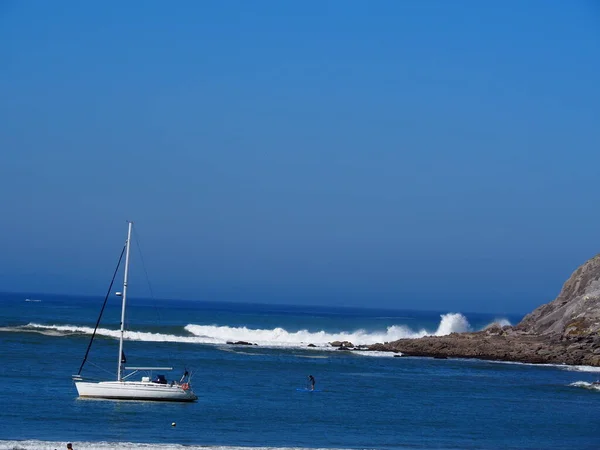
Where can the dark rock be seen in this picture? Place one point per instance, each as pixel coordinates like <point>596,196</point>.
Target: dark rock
<point>240,343</point>
<point>346,344</point>
<point>311,345</point>
<point>564,331</point>
<point>576,310</point>
<point>494,329</point>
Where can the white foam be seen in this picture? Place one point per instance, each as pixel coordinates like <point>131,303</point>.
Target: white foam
<point>586,385</point>
<point>280,337</point>
<point>503,322</point>
<point>591,369</point>
<point>569,368</point>
<point>499,322</point>
<point>51,445</point>
<point>129,335</point>
<point>452,323</point>
<point>372,353</point>
<point>276,337</point>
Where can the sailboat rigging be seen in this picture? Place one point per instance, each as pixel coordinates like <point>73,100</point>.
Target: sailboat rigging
<point>159,389</point>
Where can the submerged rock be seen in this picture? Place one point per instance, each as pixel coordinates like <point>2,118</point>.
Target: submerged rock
<point>240,343</point>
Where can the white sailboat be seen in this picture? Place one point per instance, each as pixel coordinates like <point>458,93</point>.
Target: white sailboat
<point>123,388</point>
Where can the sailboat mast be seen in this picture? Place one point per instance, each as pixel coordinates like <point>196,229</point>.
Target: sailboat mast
<point>123,301</point>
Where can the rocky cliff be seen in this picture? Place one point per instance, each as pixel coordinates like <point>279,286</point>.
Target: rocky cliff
<point>576,310</point>
<point>564,331</point>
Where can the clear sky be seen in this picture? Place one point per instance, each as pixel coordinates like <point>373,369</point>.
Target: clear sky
<point>406,154</point>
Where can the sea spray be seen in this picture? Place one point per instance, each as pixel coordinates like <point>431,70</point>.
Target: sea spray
<point>452,323</point>
<point>273,337</point>
<point>498,323</point>
<point>280,337</point>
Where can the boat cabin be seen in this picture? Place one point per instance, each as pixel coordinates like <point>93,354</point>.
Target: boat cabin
<point>160,379</point>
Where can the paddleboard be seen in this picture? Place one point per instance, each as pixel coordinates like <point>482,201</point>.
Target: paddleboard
<point>308,390</point>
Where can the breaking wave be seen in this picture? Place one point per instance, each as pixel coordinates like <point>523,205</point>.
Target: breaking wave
<point>586,385</point>
<point>275,337</point>
<point>102,445</point>
<point>500,322</point>
<point>452,323</point>
<point>280,337</point>
<point>592,369</point>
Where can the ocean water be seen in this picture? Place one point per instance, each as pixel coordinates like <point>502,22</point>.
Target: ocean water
<point>248,395</point>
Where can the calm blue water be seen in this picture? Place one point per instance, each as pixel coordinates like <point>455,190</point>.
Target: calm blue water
<point>248,395</point>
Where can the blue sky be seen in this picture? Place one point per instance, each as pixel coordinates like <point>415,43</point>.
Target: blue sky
<point>415,154</point>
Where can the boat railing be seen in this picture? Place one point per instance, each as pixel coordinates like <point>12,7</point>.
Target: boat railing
<point>146,369</point>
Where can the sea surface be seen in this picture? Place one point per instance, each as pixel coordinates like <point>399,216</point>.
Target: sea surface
<point>248,395</point>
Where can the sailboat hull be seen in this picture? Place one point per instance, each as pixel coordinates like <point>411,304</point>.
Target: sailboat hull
<point>134,390</point>
<point>131,390</point>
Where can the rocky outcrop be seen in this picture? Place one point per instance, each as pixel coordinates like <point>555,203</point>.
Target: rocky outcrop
<point>512,347</point>
<point>576,310</point>
<point>564,331</point>
<point>342,345</point>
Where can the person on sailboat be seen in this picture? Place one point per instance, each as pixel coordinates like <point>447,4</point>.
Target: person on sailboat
<point>311,380</point>
<point>185,374</point>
